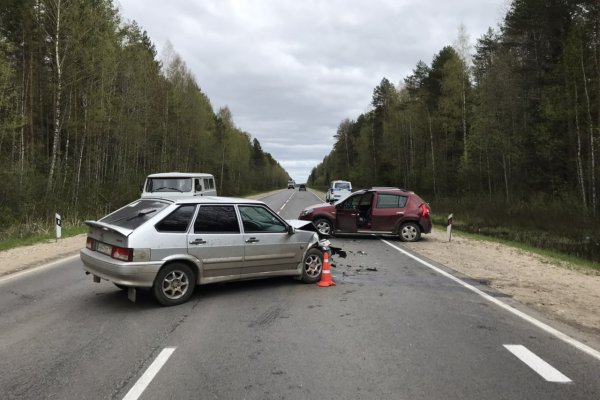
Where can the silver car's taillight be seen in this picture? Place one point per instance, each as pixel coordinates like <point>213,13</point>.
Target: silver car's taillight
<point>122,253</point>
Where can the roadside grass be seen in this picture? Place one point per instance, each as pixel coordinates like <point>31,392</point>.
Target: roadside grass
<point>40,235</point>
<point>557,257</point>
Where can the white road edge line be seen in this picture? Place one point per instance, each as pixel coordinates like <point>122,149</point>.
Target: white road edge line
<point>11,276</point>
<point>541,367</point>
<point>555,332</point>
<point>144,381</point>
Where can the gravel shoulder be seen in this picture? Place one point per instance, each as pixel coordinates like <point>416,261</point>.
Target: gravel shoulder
<point>556,289</point>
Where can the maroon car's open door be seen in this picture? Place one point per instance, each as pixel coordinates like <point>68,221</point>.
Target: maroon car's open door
<point>346,219</point>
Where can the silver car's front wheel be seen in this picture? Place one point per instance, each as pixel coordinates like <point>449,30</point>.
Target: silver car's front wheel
<point>410,232</point>
<point>174,284</point>
<point>312,266</point>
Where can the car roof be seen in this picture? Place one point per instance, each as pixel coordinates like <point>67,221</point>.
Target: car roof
<point>205,200</point>
<point>385,189</point>
<point>180,175</point>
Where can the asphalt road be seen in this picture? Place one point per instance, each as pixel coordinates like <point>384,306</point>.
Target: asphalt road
<point>392,328</point>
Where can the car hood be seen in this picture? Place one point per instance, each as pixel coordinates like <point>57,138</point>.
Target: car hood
<point>297,223</point>
<point>322,206</point>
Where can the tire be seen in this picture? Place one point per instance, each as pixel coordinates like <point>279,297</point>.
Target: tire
<point>409,232</point>
<point>312,266</point>
<point>323,226</point>
<point>174,284</point>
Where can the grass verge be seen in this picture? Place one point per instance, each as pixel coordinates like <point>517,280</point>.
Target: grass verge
<point>559,257</point>
<point>35,238</point>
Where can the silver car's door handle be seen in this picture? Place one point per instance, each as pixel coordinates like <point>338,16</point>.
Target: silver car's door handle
<point>252,240</point>
<point>198,241</point>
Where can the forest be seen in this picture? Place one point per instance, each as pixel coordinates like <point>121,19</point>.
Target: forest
<point>87,111</point>
<point>504,136</point>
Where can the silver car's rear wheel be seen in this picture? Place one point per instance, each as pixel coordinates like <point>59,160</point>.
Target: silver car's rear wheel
<point>323,226</point>
<point>410,232</point>
<point>312,266</point>
<point>174,284</point>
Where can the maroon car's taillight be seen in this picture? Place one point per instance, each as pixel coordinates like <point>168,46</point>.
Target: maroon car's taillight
<point>89,243</point>
<point>424,210</point>
<point>121,253</point>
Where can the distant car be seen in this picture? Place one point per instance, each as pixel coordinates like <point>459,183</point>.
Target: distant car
<point>338,190</point>
<point>377,210</point>
<point>170,246</point>
<point>291,184</point>
<point>302,187</point>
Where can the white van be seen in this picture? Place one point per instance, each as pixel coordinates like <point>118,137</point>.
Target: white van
<point>175,185</point>
<point>338,190</point>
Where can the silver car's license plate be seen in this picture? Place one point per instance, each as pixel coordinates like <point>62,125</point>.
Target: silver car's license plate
<point>104,248</point>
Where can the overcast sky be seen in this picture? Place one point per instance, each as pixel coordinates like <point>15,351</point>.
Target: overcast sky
<point>291,70</point>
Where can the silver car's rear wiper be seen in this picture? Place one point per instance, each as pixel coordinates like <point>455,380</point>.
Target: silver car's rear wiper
<point>138,214</point>
<point>142,213</point>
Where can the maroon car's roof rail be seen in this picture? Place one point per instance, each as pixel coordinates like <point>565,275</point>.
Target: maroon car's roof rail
<point>387,188</point>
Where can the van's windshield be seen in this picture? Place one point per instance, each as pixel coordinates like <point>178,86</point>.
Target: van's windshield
<point>342,185</point>
<point>169,185</point>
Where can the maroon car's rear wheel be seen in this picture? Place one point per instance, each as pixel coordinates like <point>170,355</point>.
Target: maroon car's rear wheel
<point>410,232</point>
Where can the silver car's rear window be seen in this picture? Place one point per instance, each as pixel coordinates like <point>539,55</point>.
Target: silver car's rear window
<point>342,185</point>
<point>135,214</point>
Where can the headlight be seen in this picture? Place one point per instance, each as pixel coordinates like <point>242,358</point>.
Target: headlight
<point>306,212</point>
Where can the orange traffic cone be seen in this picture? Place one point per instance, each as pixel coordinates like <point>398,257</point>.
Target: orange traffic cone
<point>326,273</point>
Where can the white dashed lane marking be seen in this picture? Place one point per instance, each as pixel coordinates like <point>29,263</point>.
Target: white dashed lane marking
<point>287,201</point>
<point>541,367</point>
<point>141,385</point>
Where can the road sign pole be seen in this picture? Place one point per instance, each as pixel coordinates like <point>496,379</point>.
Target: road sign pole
<point>58,226</point>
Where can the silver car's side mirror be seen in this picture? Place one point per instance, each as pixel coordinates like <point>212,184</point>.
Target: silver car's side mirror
<point>291,230</point>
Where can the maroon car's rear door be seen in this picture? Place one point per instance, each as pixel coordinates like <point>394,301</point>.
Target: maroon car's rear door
<point>387,211</point>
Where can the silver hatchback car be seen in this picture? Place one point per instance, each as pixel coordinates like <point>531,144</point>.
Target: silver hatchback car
<point>170,246</point>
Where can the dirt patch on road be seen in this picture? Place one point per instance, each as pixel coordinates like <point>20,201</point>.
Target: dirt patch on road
<point>558,289</point>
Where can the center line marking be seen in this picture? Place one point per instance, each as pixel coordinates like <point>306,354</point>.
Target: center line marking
<point>144,381</point>
<point>285,204</point>
<point>545,370</point>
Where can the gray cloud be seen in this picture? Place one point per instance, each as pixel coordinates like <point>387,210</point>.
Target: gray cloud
<point>290,71</point>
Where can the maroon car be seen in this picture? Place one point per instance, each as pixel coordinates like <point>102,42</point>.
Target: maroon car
<point>376,210</point>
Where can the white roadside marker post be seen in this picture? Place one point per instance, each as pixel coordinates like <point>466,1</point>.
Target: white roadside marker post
<point>449,228</point>
<point>58,226</point>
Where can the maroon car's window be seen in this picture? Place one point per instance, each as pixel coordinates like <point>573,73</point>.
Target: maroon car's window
<point>216,219</point>
<point>351,202</point>
<point>178,221</point>
<point>391,201</point>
